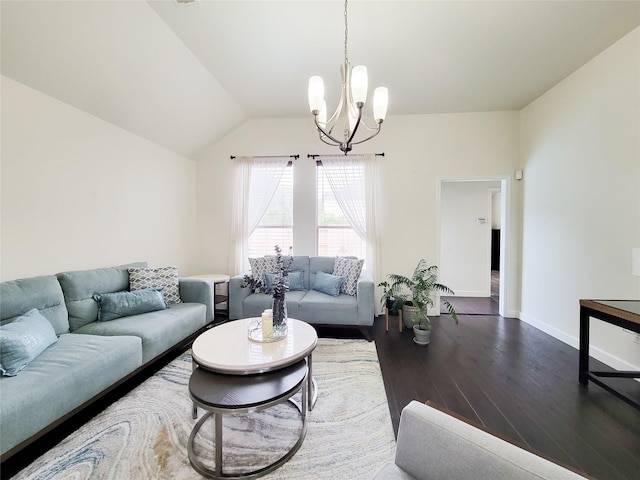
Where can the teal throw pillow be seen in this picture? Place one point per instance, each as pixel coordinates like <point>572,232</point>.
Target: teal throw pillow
<point>269,281</point>
<point>124,304</point>
<point>22,340</point>
<point>327,283</point>
<point>295,280</point>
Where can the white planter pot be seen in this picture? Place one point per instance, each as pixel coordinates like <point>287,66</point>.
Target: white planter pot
<point>421,337</point>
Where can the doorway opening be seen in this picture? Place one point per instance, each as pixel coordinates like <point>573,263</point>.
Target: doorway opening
<point>472,244</point>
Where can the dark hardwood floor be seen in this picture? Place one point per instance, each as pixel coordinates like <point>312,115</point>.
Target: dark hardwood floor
<point>500,372</point>
<point>520,383</point>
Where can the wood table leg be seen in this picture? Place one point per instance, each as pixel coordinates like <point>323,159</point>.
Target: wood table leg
<point>400,320</point>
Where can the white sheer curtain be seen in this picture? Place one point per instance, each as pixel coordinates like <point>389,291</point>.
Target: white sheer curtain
<point>353,182</point>
<point>256,182</point>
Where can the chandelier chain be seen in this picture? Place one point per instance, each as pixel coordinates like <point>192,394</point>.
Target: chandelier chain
<point>346,33</point>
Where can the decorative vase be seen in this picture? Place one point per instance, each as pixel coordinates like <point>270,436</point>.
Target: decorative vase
<point>421,337</point>
<point>279,317</point>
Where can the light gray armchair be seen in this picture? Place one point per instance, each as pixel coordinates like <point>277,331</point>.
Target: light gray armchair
<point>435,445</point>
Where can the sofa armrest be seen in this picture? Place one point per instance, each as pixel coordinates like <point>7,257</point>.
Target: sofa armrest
<point>237,294</point>
<point>366,302</point>
<point>434,444</point>
<point>198,290</point>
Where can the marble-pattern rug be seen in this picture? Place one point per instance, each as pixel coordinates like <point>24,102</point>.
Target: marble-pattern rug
<point>144,434</point>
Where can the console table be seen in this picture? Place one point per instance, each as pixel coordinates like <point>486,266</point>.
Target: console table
<point>622,313</point>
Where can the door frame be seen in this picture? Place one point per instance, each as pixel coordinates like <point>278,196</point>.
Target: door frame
<point>505,227</point>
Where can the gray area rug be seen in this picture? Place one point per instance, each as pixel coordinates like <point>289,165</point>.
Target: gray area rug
<point>144,435</point>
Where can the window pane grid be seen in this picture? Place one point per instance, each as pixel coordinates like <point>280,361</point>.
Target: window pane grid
<point>276,226</point>
<point>335,235</point>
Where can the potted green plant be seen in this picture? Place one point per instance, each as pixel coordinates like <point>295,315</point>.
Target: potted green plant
<point>388,299</point>
<point>416,295</point>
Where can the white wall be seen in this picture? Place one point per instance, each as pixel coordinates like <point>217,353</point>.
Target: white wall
<point>581,157</point>
<point>419,151</point>
<point>78,192</point>
<point>496,202</point>
<point>465,250</point>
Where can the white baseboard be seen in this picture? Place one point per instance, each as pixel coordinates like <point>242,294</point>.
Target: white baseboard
<point>512,314</point>
<point>595,352</point>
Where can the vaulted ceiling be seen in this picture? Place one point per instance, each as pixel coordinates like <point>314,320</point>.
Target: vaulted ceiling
<point>184,75</point>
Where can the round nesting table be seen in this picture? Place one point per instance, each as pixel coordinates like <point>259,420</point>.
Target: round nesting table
<point>234,374</point>
<point>227,349</point>
<point>222,394</point>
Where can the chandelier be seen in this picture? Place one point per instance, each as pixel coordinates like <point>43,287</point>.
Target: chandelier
<point>348,114</point>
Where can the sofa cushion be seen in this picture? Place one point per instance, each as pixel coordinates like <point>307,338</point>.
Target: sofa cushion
<point>43,293</point>
<point>71,371</point>
<point>328,284</point>
<point>256,303</point>
<point>79,287</point>
<point>159,331</point>
<point>350,270</point>
<point>320,308</point>
<point>165,278</point>
<point>23,340</point>
<point>124,304</point>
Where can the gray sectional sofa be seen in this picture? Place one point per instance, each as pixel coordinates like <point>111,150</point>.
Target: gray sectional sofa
<point>89,358</point>
<point>309,305</point>
<point>435,444</point>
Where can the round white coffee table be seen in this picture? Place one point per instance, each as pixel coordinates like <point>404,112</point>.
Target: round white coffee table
<point>227,349</point>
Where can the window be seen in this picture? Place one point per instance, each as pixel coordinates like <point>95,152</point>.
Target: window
<point>335,234</point>
<point>276,226</point>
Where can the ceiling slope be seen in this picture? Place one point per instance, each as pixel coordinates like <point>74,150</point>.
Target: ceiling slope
<point>119,62</point>
<point>434,56</point>
<point>183,76</point>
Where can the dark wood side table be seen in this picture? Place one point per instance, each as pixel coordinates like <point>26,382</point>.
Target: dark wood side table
<point>622,313</point>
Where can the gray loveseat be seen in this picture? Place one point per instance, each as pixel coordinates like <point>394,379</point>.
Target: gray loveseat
<point>433,444</point>
<point>314,307</point>
<point>89,358</point>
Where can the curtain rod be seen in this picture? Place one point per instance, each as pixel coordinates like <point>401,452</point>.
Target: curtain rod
<point>311,155</point>
<point>271,156</point>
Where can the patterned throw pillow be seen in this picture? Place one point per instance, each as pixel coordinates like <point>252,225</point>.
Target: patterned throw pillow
<point>262,265</point>
<point>161,277</point>
<point>350,270</point>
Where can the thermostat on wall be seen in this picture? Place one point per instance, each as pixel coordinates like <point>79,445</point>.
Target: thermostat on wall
<point>481,221</point>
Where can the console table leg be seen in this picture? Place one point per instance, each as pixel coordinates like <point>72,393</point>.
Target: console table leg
<point>583,369</point>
